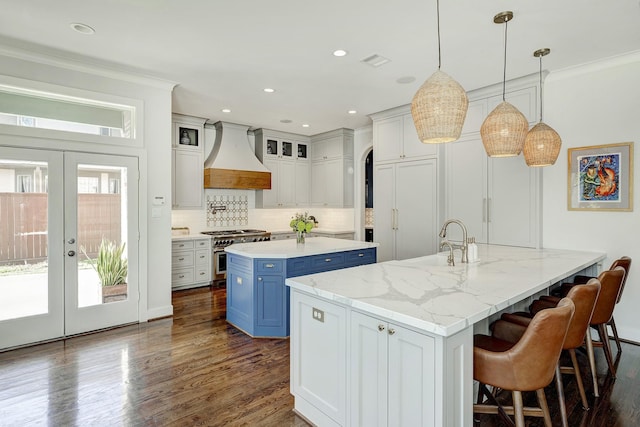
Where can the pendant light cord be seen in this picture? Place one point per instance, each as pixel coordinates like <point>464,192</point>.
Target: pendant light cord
<point>504,72</point>
<point>541,90</point>
<point>438,15</point>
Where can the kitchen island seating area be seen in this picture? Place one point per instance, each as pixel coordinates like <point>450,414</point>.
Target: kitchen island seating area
<point>510,327</point>
<point>526,365</point>
<point>380,319</point>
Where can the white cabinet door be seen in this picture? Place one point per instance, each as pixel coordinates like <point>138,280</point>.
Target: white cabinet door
<point>187,179</point>
<point>405,217</point>
<point>319,365</point>
<point>387,134</point>
<point>270,197</point>
<point>384,211</point>
<point>286,183</point>
<point>466,177</point>
<point>368,363</point>
<point>392,374</point>
<point>512,208</point>
<point>412,381</point>
<point>416,187</point>
<point>302,183</point>
<point>497,199</point>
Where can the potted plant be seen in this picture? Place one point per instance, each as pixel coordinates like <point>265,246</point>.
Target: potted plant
<point>301,224</point>
<point>112,268</point>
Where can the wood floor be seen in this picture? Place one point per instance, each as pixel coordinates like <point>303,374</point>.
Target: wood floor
<point>194,369</point>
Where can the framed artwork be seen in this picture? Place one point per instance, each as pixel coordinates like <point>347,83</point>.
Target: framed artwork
<point>601,177</point>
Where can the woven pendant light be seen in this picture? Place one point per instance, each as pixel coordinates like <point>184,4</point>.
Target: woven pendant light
<point>542,144</point>
<point>439,107</point>
<point>505,128</point>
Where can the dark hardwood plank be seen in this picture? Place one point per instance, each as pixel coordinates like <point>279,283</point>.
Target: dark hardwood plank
<point>195,369</point>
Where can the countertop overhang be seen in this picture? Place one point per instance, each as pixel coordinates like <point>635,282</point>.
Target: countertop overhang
<point>290,249</point>
<point>427,294</point>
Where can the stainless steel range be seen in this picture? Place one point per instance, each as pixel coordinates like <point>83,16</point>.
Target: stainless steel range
<point>224,238</point>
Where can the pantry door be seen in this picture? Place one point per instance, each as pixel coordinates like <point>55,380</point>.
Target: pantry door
<point>56,209</point>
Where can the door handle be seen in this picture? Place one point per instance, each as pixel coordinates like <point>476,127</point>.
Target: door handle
<point>71,253</point>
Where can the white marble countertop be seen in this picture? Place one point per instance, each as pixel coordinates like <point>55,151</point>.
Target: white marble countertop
<point>427,294</point>
<point>315,230</point>
<point>290,249</point>
<point>190,237</point>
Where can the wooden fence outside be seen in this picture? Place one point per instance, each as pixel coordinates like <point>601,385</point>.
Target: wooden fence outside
<point>23,225</point>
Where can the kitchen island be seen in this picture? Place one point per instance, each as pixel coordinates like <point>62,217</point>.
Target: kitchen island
<point>392,343</point>
<point>257,298</point>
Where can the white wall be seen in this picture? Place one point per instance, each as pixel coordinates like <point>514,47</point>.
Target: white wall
<point>591,105</point>
<point>154,155</point>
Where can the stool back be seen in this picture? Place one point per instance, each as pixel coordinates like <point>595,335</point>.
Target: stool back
<point>610,285</point>
<point>624,262</point>
<point>530,363</point>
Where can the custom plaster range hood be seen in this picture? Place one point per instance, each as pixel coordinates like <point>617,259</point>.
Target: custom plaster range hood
<point>232,163</point>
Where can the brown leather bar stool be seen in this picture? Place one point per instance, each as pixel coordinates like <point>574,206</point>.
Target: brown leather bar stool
<point>527,365</point>
<point>624,262</point>
<point>584,298</point>
<point>610,283</point>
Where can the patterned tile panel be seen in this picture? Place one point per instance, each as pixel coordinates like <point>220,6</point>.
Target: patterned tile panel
<point>227,210</point>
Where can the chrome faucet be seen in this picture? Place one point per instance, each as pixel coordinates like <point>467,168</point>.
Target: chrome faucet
<point>463,245</point>
<point>450,260</point>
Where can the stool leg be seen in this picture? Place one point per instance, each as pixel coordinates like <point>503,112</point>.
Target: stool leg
<point>518,408</point>
<point>576,370</point>
<point>542,400</point>
<point>561,402</point>
<point>606,346</point>
<point>615,336</point>
<point>592,362</point>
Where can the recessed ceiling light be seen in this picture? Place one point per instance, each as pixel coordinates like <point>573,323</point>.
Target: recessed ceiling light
<point>82,28</point>
<point>339,52</point>
<point>269,90</point>
<point>285,121</point>
<point>226,110</point>
<point>352,111</point>
<point>406,80</point>
<point>305,125</point>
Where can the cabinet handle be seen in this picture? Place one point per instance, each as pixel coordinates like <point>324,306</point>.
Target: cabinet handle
<point>327,260</point>
<point>181,276</point>
<point>489,210</point>
<point>381,327</point>
<point>360,255</point>
<point>202,256</point>
<point>484,209</point>
<point>391,331</point>
<point>181,259</point>
<point>268,266</point>
<point>181,245</point>
<point>202,273</point>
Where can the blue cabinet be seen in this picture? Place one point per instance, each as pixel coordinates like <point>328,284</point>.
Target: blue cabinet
<point>257,298</point>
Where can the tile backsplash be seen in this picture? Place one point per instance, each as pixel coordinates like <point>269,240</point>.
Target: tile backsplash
<point>227,211</point>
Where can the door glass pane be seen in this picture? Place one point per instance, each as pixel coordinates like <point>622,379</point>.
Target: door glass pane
<point>102,233</point>
<point>23,239</point>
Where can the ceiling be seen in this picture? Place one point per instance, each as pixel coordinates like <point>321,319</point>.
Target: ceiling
<point>223,53</point>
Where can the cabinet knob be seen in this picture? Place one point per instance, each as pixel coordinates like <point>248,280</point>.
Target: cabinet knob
<point>391,331</point>
<point>259,279</point>
<point>381,327</point>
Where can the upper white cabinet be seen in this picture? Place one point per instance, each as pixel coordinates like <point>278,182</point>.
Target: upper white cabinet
<point>395,137</point>
<point>187,162</point>
<point>332,178</point>
<point>287,158</point>
<point>498,199</point>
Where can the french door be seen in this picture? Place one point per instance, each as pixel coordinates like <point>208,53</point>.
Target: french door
<point>68,243</point>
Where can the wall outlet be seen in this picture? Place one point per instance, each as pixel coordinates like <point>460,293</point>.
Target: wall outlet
<point>317,314</point>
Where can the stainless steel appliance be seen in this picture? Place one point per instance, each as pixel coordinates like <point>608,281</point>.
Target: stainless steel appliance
<point>222,239</point>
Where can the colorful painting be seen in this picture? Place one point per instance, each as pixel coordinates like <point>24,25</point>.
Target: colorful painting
<point>601,177</point>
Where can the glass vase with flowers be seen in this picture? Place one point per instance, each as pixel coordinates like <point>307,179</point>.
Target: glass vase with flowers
<point>301,224</point>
